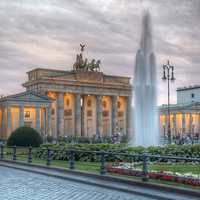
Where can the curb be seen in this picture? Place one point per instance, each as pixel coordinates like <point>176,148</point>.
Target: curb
<point>157,186</point>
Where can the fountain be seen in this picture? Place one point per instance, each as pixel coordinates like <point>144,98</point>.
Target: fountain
<point>144,126</point>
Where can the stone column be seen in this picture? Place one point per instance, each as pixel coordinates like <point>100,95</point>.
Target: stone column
<point>8,121</point>
<point>190,123</point>
<point>99,115</point>
<point>82,121</point>
<point>114,114</point>
<point>199,124</point>
<point>21,116</point>
<point>129,116</point>
<point>183,124</point>
<point>166,124</point>
<point>3,125</point>
<point>43,121</point>
<point>38,119</point>
<point>78,116</point>
<point>60,114</point>
<point>175,130</point>
<point>49,121</point>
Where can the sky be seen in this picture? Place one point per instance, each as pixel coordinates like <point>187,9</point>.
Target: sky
<point>48,34</point>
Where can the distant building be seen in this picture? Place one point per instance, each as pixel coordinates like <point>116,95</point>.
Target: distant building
<point>185,115</point>
<point>188,94</point>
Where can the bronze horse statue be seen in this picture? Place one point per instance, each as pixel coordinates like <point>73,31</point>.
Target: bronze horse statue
<point>96,65</point>
<point>79,64</point>
<point>91,65</point>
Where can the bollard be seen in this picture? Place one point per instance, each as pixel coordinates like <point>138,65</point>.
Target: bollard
<point>30,155</point>
<point>72,166</point>
<point>145,177</point>
<point>103,165</point>
<point>48,156</point>
<point>2,154</point>
<point>15,154</point>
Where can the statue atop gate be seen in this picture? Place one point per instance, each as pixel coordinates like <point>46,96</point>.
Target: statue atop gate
<point>81,64</point>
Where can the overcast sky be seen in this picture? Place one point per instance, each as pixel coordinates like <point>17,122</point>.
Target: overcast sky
<point>48,34</point>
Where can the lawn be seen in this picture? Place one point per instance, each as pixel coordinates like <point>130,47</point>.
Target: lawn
<point>195,169</point>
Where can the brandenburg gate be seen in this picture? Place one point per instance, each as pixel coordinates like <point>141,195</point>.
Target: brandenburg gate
<point>87,102</point>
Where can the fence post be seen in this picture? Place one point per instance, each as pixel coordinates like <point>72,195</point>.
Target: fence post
<point>30,155</point>
<point>48,156</point>
<point>103,165</point>
<point>2,155</point>
<point>145,177</point>
<point>15,153</point>
<point>72,166</point>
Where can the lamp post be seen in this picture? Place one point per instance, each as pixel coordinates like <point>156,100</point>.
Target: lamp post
<point>116,128</point>
<point>168,67</point>
<point>164,131</point>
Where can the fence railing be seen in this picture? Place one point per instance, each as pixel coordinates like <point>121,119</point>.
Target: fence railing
<point>103,167</point>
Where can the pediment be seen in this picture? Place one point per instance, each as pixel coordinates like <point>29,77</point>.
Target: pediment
<point>195,105</point>
<point>30,96</point>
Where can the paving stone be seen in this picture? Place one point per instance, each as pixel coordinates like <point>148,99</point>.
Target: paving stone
<point>21,184</point>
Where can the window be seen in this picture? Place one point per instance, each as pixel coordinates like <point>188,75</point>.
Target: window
<point>192,95</point>
<point>27,114</point>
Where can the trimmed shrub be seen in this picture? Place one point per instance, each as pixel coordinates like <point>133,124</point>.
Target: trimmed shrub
<point>81,140</point>
<point>125,139</point>
<point>69,139</point>
<point>59,139</point>
<point>49,138</point>
<point>25,136</point>
<point>95,140</point>
<point>109,139</point>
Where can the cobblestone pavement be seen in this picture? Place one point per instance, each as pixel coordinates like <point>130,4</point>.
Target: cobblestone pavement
<point>19,185</point>
<point>29,183</point>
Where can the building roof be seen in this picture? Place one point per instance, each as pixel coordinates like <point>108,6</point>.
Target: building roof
<point>180,105</point>
<point>188,87</point>
<point>29,96</point>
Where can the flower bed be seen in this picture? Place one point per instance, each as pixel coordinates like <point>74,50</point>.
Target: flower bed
<point>129,169</point>
<point>18,153</point>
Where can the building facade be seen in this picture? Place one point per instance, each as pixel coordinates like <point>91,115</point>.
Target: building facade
<point>185,115</point>
<point>86,102</point>
<point>27,108</point>
<point>188,94</point>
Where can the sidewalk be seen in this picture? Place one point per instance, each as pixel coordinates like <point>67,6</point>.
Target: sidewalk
<point>149,189</point>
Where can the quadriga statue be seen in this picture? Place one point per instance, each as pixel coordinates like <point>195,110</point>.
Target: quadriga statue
<point>91,66</point>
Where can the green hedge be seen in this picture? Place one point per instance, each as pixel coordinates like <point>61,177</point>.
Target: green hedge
<point>189,151</point>
<point>25,136</point>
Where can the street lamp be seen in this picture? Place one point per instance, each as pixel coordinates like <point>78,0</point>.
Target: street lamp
<point>168,67</point>
<point>164,131</point>
<point>116,128</point>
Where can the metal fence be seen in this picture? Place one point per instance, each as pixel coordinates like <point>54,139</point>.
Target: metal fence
<point>103,167</point>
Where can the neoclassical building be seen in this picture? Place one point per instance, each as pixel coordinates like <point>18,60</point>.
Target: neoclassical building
<point>27,108</point>
<point>185,115</point>
<point>80,102</point>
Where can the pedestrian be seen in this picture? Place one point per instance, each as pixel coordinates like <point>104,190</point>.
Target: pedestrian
<point>197,137</point>
<point>173,137</point>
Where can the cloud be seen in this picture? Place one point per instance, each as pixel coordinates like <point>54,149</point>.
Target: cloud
<point>47,34</point>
